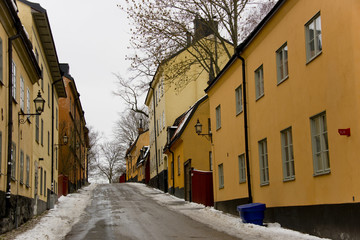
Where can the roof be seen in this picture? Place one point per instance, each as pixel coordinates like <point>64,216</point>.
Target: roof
<point>182,121</point>
<point>144,153</point>
<point>240,49</point>
<point>43,27</point>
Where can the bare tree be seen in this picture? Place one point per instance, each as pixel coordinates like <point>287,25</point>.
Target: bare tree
<point>163,28</point>
<point>112,161</point>
<point>126,129</point>
<point>93,150</point>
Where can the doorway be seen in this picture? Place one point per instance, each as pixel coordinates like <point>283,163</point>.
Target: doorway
<point>187,183</point>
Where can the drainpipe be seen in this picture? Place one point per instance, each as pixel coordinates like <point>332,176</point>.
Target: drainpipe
<point>173,169</point>
<point>10,127</point>
<point>246,127</point>
<point>156,156</point>
<point>52,134</point>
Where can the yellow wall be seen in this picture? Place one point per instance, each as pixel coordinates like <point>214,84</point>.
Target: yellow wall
<point>132,156</point>
<point>191,146</point>
<point>324,84</point>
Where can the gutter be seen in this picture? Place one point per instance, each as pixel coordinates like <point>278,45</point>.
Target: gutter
<point>245,127</point>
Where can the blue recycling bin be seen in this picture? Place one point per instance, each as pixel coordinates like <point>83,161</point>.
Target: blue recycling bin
<point>252,213</point>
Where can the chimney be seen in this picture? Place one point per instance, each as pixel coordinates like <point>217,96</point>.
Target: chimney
<point>188,39</point>
<point>64,68</point>
<point>203,28</point>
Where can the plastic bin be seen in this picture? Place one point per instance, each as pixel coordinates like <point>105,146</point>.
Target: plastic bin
<point>252,213</point>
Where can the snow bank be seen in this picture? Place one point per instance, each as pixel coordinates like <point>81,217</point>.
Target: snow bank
<point>220,221</point>
<point>58,221</point>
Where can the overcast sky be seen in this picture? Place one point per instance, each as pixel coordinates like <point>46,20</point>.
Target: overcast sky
<point>92,36</point>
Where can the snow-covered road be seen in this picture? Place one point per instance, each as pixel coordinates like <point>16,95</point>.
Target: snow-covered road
<point>61,221</point>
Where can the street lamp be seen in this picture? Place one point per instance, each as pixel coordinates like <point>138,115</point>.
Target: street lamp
<point>39,107</point>
<point>65,141</point>
<point>198,130</point>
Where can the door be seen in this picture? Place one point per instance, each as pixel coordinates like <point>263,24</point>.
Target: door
<point>187,175</point>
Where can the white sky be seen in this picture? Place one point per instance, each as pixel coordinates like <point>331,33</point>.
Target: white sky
<point>92,36</point>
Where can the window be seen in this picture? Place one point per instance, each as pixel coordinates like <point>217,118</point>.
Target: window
<point>1,150</point>
<point>41,180</point>
<point>44,183</point>
<point>49,95</point>
<point>37,128</point>
<point>313,37</point>
<point>163,119</point>
<point>320,144</point>
<point>259,82</point>
<point>172,170</point>
<point>238,100</point>
<point>36,55</point>
<point>48,143</point>
<point>210,161</point>
<point>179,166</point>
<point>56,158</point>
<point>14,80</point>
<point>27,170</point>
<point>221,176</point>
<point>13,161</point>
<point>156,97</point>
<point>22,93</point>
<point>264,168</point>
<point>162,86</point>
<point>42,133</point>
<point>209,125</point>
<point>1,63</point>
<point>287,154</point>
<point>218,117</point>
<point>21,167</point>
<point>28,101</point>
<point>42,77</point>
<point>282,63</point>
<point>242,168</point>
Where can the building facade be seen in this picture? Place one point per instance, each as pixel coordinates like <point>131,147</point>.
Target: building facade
<point>72,125</point>
<point>289,118</point>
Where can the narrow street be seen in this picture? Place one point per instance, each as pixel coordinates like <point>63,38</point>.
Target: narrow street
<point>120,211</point>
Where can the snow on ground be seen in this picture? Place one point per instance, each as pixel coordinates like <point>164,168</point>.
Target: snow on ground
<point>59,220</point>
<point>220,221</point>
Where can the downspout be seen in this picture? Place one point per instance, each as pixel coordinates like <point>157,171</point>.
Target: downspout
<point>10,127</point>
<point>156,156</point>
<point>173,169</point>
<point>246,127</point>
<point>52,134</point>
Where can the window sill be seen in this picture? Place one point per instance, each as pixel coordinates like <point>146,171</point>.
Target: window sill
<point>259,97</point>
<point>283,80</point>
<point>312,58</point>
<point>325,172</point>
<point>27,186</point>
<point>242,182</point>
<point>217,129</point>
<point>264,184</point>
<point>237,114</point>
<point>13,179</point>
<point>2,83</point>
<point>222,187</point>
<point>289,179</point>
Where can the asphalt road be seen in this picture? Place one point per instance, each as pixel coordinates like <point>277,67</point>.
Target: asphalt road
<point>120,211</point>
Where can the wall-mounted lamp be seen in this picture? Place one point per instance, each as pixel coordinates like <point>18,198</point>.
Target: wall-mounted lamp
<point>39,107</point>
<point>198,130</point>
<point>65,141</point>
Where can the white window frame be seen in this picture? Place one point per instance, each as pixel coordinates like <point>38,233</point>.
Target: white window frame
<point>259,82</point>
<point>264,164</point>
<point>316,41</point>
<point>22,94</point>
<point>242,168</point>
<point>21,167</point>
<point>14,80</point>
<point>218,117</point>
<point>221,175</point>
<point>287,153</point>
<point>27,171</point>
<point>163,119</point>
<point>320,144</point>
<point>238,100</point>
<point>28,101</point>
<point>1,63</point>
<point>282,63</point>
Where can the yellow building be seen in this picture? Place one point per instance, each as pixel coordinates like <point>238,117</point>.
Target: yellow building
<point>290,115</point>
<point>187,151</point>
<point>16,133</point>
<point>169,96</point>
<point>45,127</point>
<point>136,157</point>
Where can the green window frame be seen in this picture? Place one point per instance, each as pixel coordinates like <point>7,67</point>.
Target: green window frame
<point>282,63</point>
<point>287,152</point>
<point>313,37</point>
<point>264,165</point>
<point>259,82</point>
<point>242,168</point>
<point>221,175</point>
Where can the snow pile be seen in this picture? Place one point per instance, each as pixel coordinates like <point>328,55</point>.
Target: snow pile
<point>58,221</point>
<point>220,221</point>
